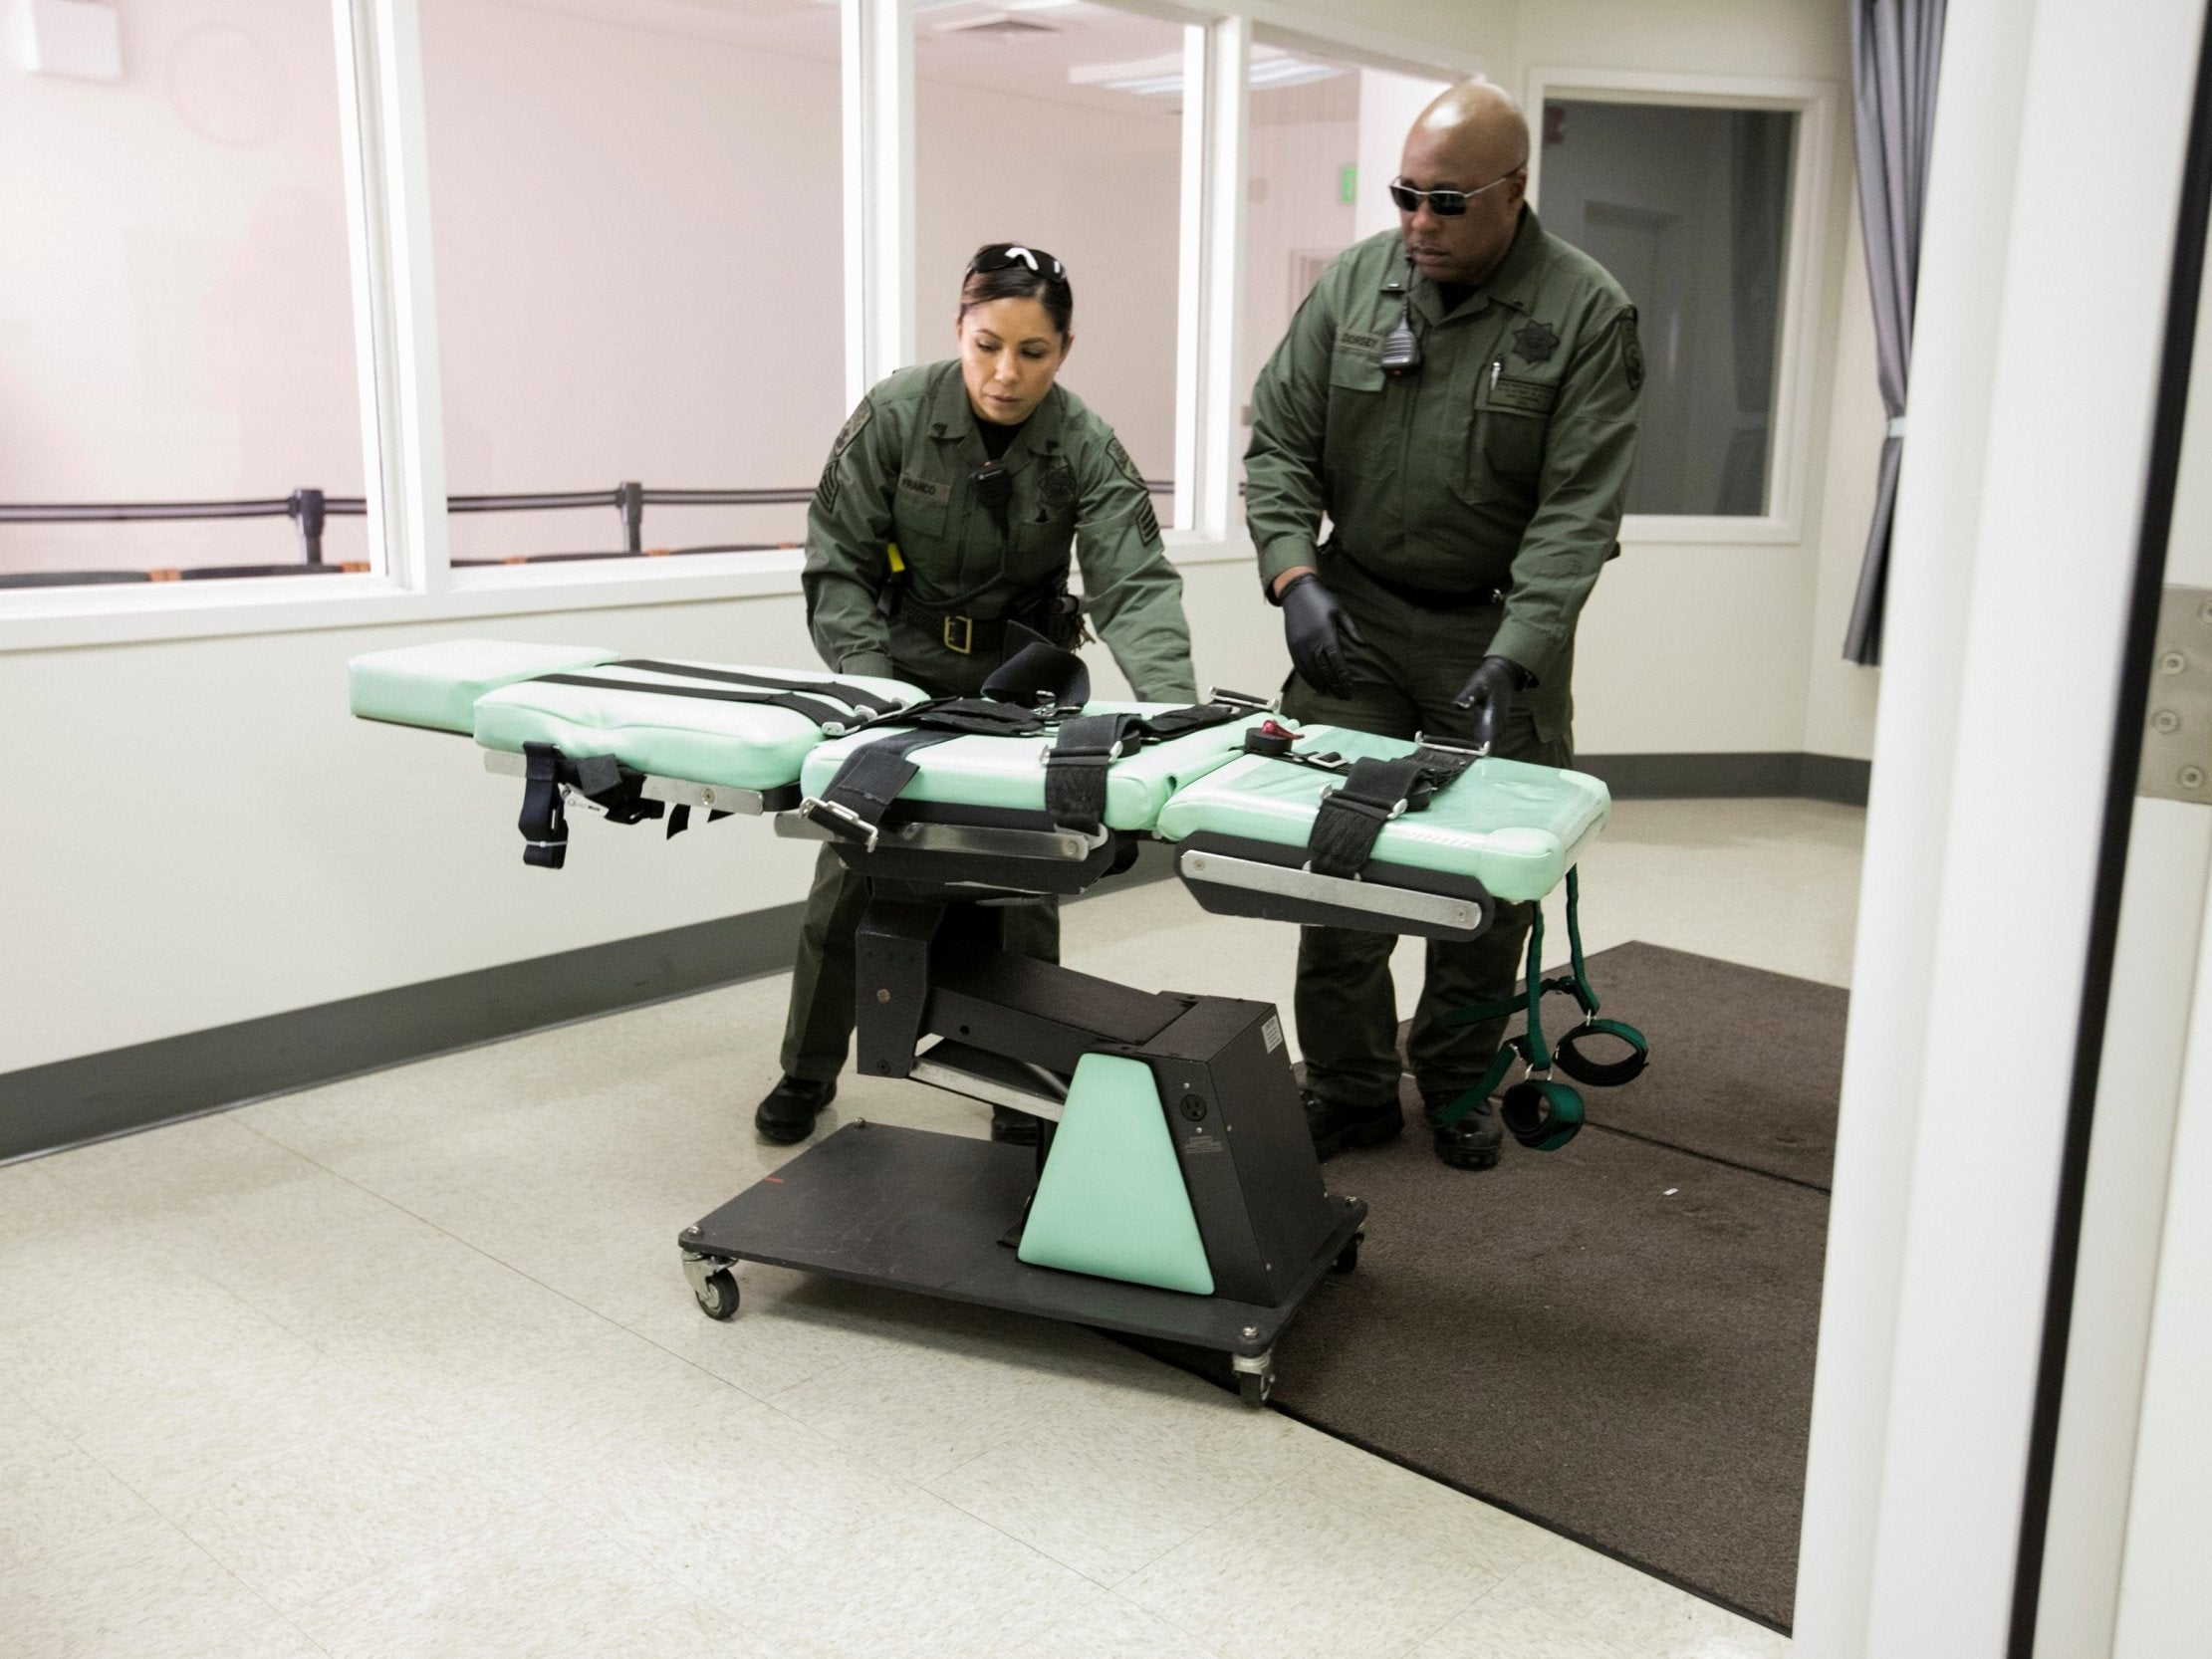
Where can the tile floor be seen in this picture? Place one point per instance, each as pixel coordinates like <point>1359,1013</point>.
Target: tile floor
<point>403,1367</point>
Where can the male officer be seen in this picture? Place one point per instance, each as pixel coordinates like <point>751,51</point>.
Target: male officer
<point>1458,396</point>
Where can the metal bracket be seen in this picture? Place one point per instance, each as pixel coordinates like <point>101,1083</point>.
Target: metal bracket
<point>699,1268</point>
<point>2177,717</point>
<point>1402,903</point>
<point>977,839</point>
<point>1044,1097</point>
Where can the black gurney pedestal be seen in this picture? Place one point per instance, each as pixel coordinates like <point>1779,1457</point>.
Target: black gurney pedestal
<point>942,1213</point>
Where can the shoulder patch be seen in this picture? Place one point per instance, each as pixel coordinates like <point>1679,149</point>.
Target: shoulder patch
<point>1631,349</point>
<point>825,492</point>
<point>1149,522</point>
<point>1120,458</point>
<point>855,424</point>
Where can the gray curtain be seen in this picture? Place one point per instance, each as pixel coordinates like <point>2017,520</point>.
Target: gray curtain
<point>1896,48</point>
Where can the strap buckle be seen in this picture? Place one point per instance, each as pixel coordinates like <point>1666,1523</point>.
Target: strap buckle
<point>965,643</point>
<point>1241,700</point>
<point>1479,751</point>
<point>840,820</point>
<point>1053,757</point>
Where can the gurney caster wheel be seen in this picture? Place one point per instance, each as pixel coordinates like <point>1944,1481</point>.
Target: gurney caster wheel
<point>717,1295</point>
<point>1254,1377</point>
<point>1348,1256</point>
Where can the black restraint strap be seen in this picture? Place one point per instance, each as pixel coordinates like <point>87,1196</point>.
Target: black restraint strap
<point>854,803</point>
<point>1076,767</point>
<point>874,701</point>
<point>869,782</point>
<point>600,779</point>
<point>822,714</point>
<point>1038,670</point>
<point>1374,791</point>
<point>544,823</point>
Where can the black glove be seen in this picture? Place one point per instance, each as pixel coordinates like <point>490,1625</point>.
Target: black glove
<point>1489,694</point>
<point>1314,624</point>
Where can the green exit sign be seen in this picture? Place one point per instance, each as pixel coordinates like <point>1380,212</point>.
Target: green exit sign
<point>1347,184</point>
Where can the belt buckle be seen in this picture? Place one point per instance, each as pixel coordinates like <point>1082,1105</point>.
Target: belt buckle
<point>839,820</point>
<point>965,643</point>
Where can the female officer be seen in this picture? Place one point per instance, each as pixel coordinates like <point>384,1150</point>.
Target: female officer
<point>945,513</point>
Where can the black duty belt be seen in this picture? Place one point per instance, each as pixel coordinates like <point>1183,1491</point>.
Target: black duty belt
<point>968,635</point>
<point>1429,599</point>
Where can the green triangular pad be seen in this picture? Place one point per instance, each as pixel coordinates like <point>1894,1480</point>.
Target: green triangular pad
<point>1111,1201</point>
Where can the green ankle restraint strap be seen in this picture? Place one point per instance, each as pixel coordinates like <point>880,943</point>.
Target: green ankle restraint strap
<point>1538,1111</point>
<point>1598,1074</point>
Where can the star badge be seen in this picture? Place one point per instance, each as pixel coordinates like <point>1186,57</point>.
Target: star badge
<point>1535,343</point>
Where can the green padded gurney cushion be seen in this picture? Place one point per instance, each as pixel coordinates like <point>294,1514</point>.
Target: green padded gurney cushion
<point>1112,1200</point>
<point>1009,772</point>
<point>438,685</point>
<point>744,744</point>
<point>1516,828</point>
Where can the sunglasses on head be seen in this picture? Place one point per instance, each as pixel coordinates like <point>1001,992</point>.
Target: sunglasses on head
<point>1446,205</point>
<point>1001,255</point>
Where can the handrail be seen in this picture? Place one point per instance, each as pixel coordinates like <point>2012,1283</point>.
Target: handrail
<point>309,508</point>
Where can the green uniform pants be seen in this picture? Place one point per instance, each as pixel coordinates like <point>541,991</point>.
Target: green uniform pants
<point>818,1029</point>
<point>1404,675</point>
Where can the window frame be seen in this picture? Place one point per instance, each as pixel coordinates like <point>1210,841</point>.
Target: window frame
<point>1804,294</point>
<point>386,160</point>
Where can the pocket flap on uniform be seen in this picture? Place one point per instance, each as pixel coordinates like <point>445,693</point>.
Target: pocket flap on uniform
<point>1534,397</point>
<point>1354,365</point>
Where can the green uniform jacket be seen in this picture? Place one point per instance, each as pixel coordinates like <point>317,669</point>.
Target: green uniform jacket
<point>1500,463</point>
<point>900,474</point>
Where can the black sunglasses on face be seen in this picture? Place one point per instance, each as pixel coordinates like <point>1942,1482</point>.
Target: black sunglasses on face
<point>1000,254</point>
<point>1446,205</point>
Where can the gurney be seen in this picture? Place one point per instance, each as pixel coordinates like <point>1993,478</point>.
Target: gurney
<point>1173,1191</point>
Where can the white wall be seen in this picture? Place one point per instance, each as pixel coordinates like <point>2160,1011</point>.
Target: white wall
<point>1839,695</point>
<point>1291,207</point>
<point>1100,189</point>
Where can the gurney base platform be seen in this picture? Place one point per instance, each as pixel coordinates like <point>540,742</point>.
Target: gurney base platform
<point>914,1210</point>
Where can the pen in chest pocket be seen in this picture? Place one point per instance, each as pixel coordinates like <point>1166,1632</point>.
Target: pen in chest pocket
<point>1495,364</point>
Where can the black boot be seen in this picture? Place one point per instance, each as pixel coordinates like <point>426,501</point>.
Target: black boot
<point>1013,1128</point>
<point>1472,1142</point>
<point>1336,1126</point>
<point>787,1115</point>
